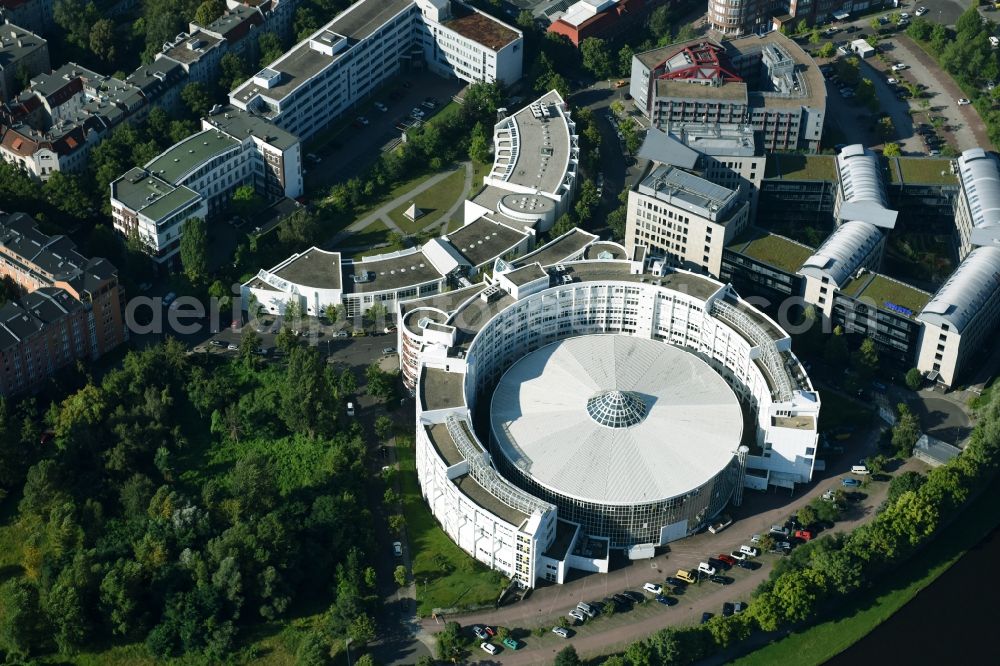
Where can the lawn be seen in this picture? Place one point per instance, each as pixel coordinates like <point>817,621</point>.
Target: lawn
<point>881,290</point>
<point>868,609</point>
<point>775,250</point>
<point>434,202</point>
<point>924,170</point>
<point>801,167</point>
<point>445,576</point>
<point>373,239</point>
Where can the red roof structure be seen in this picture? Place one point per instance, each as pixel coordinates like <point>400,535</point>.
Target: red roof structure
<point>702,61</point>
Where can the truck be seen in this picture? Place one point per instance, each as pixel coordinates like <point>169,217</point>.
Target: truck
<point>722,523</point>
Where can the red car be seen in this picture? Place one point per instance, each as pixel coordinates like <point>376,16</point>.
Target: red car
<point>490,630</point>
<point>805,535</point>
<point>728,559</point>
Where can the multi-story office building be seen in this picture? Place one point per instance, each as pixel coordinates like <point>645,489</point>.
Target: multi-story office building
<point>197,176</point>
<point>199,50</point>
<point>323,76</point>
<point>683,218</point>
<point>768,82</point>
<point>23,55</point>
<point>591,339</point>
<point>977,214</point>
<point>72,307</point>
<point>734,18</point>
<point>604,19</point>
<point>960,318</point>
<point>535,167</point>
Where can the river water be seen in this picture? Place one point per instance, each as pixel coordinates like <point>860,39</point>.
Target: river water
<point>952,620</point>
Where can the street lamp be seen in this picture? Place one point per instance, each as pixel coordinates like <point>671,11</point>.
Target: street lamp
<point>347,644</point>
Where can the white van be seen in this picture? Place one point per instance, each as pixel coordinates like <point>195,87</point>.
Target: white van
<point>859,469</point>
<point>749,550</point>
<point>350,409</point>
<point>706,568</point>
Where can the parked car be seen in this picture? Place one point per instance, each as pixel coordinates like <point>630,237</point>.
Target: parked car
<point>755,539</point>
<point>750,550</point>
<point>685,576</point>
<point>489,630</point>
<point>397,548</point>
<point>559,631</point>
<point>805,535</point>
<point>849,482</point>
<point>634,596</point>
<point>512,643</point>
<point>722,523</point>
<point>963,102</point>
<point>577,615</point>
<point>169,298</point>
<point>665,600</point>
<point>364,121</point>
<point>720,580</point>
<point>891,81</point>
<point>480,634</point>
<point>653,588</point>
<point>488,647</point>
<point>728,609</point>
<point>778,530</point>
<point>706,616</point>
<point>726,559</point>
<point>388,350</point>
<point>217,343</point>
<point>706,568</point>
<point>920,11</point>
<point>900,66</point>
<point>737,556</point>
<point>232,347</point>
<point>748,565</point>
<point>381,107</point>
<point>676,582</point>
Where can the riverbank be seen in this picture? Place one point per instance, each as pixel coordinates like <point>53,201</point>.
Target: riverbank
<point>855,620</point>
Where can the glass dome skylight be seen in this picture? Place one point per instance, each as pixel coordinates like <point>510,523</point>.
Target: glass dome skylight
<point>617,409</point>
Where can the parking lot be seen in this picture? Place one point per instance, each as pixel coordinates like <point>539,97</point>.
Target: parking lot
<point>349,152</point>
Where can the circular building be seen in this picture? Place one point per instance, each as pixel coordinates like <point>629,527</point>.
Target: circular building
<point>630,438</point>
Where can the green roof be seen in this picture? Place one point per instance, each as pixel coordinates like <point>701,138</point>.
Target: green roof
<point>881,290</point>
<point>184,157</point>
<point>777,251</point>
<point>793,166</point>
<point>156,198</point>
<point>927,171</point>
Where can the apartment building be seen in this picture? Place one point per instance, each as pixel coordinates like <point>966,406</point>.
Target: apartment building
<point>768,82</point>
<point>323,76</point>
<point>604,19</point>
<point>977,214</point>
<point>197,176</point>
<point>23,55</point>
<point>72,306</point>
<point>34,15</point>
<point>683,218</point>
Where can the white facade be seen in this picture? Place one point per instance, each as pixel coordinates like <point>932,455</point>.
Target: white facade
<point>977,215</point>
<point>343,62</point>
<point>483,330</point>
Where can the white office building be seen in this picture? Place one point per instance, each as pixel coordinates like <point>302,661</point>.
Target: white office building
<point>323,76</point>
<point>977,215</point>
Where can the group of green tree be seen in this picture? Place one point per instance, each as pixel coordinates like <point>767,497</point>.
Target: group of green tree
<point>183,499</point>
<point>830,569</point>
<point>965,53</point>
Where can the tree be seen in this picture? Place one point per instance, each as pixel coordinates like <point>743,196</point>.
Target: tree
<point>826,50</point>
<point>194,249</point>
<point>298,229</point>
<point>807,516</point>
<point>891,149</point>
<point>866,359</point>
<point>381,384</point>
<point>246,201</point>
<point>865,93</point>
<point>102,39</point>
<point>396,523</point>
<point>625,55</point>
<point>66,192</point>
<point>76,18</point>
<point>312,651</point>
<point>567,657</point>
<point>22,624</point>
<point>286,340</point>
<point>399,575</point>
<point>249,344</point>
<point>479,144</point>
<point>596,57</point>
<point>449,642</point>
<point>195,96</point>
<point>886,130</point>
<point>233,71</point>
<point>914,379</point>
<point>347,383</point>
<point>801,27</point>
<point>903,483</point>
<point>377,314</point>
<point>686,32</point>
<point>876,464</point>
<point>906,432</point>
<point>270,47</point>
<point>815,37</point>
<point>383,427</point>
<point>208,11</point>
<point>306,401</point>
<point>659,22</point>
